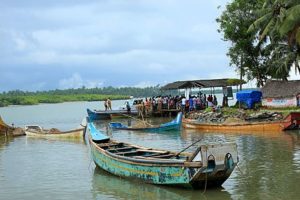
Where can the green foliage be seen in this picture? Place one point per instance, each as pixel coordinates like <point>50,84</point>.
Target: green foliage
<point>279,21</point>
<point>245,53</point>
<point>262,35</point>
<point>18,97</point>
<point>235,82</point>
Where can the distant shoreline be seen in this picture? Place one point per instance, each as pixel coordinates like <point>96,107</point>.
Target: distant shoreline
<point>9,100</point>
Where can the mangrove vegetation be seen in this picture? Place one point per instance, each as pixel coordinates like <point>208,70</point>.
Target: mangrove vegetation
<point>18,97</point>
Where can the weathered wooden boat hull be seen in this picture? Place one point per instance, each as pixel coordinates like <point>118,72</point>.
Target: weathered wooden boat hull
<point>232,127</point>
<point>107,115</point>
<point>173,125</point>
<point>177,171</point>
<point>72,134</point>
<point>290,122</point>
<point>5,129</point>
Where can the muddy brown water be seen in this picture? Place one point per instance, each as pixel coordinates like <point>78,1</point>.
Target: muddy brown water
<point>49,169</point>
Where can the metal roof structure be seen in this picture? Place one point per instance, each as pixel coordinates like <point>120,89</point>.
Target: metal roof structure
<point>208,83</point>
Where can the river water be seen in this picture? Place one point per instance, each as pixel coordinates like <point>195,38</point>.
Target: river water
<point>31,168</point>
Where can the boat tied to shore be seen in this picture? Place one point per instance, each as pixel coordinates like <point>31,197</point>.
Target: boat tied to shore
<point>175,124</point>
<point>208,166</point>
<point>39,132</point>
<point>291,121</point>
<point>109,114</point>
<point>4,128</point>
<point>8,130</point>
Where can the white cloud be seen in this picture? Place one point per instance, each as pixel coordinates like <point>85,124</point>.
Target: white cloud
<point>123,42</point>
<point>76,81</point>
<point>144,84</point>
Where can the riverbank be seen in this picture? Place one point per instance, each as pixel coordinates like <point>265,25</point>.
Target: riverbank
<point>6,100</point>
<point>230,115</point>
<point>39,177</point>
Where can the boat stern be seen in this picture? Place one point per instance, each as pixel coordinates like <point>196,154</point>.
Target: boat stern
<point>218,162</point>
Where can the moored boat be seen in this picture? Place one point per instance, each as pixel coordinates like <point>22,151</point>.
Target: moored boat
<point>5,129</point>
<point>172,125</point>
<point>39,132</point>
<point>109,114</point>
<point>292,121</point>
<point>210,165</point>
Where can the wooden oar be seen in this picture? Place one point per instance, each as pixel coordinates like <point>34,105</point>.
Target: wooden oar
<point>137,119</point>
<point>177,154</point>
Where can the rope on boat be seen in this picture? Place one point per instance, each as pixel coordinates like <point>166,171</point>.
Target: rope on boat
<point>89,167</point>
<point>177,154</point>
<point>240,170</point>
<point>137,119</point>
<point>205,185</point>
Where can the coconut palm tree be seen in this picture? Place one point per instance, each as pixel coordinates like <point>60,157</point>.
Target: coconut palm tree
<point>279,20</point>
<point>290,23</point>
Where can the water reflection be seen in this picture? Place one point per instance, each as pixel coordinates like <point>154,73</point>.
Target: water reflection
<point>5,140</point>
<point>267,168</point>
<point>296,155</point>
<point>105,185</point>
<point>43,169</point>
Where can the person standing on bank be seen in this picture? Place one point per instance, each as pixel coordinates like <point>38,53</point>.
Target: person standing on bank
<point>105,104</point>
<point>109,104</point>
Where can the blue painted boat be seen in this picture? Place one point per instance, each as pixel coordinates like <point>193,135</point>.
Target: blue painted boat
<point>172,125</point>
<point>209,166</point>
<point>109,114</point>
<point>95,134</point>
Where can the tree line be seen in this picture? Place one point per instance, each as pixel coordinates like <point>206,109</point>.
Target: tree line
<point>264,38</point>
<point>18,97</point>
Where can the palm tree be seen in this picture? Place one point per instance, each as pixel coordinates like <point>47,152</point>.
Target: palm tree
<point>279,20</point>
<point>290,24</point>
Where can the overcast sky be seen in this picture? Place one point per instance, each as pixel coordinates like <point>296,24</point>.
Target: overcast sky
<point>70,43</point>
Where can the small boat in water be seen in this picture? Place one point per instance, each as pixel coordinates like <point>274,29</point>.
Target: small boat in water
<point>292,121</point>
<point>109,114</point>
<point>4,128</point>
<point>39,132</point>
<point>210,165</point>
<point>172,125</point>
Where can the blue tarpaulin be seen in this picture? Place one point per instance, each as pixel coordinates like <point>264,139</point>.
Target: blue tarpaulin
<point>249,97</point>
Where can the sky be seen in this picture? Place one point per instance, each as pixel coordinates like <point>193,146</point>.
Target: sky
<point>61,44</point>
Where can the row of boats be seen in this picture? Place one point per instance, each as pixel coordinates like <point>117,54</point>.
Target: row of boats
<point>291,121</point>
<point>209,165</point>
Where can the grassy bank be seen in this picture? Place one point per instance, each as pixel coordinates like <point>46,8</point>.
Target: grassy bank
<point>6,100</point>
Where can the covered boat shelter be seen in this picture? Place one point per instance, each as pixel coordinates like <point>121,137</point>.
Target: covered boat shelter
<point>226,84</point>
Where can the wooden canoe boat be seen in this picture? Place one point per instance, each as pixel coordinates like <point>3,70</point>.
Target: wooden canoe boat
<point>209,165</point>
<point>5,129</point>
<point>290,122</point>
<point>39,132</point>
<point>109,114</point>
<point>172,125</point>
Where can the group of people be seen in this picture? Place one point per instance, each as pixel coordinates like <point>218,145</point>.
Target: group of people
<point>156,104</point>
<point>198,102</point>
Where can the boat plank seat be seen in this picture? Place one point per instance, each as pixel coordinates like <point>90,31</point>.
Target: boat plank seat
<point>163,156</point>
<point>152,151</point>
<point>106,145</point>
<point>150,158</point>
<point>126,153</point>
<point>145,158</point>
<point>150,155</point>
<point>120,149</point>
